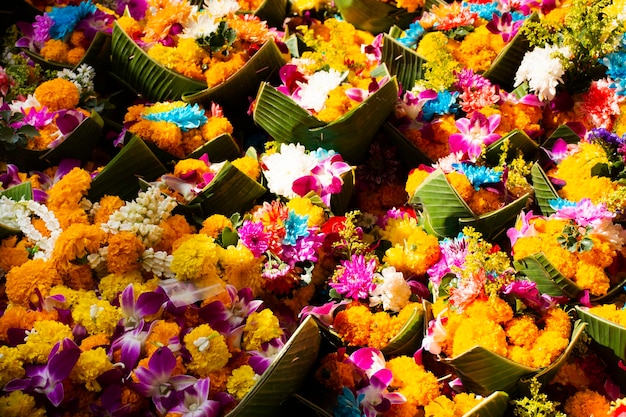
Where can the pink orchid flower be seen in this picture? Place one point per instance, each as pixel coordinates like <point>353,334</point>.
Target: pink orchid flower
<point>475,132</point>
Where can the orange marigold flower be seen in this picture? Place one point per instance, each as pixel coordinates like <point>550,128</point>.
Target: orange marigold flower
<point>54,50</point>
<point>587,403</point>
<point>521,331</point>
<point>108,205</point>
<point>93,341</point>
<point>57,94</point>
<point>12,253</point>
<point>213,225</point>
<point>76,242</point>
<point>125,250</point>
<point>69,190</point>
<point>173,228</point>
<point>22,281</point>
<point>353,324</point>
<point>334,373</point>
<point>220,71</point>
<point>418,385</point>
<point>19,317</point>
<point>74,55</point>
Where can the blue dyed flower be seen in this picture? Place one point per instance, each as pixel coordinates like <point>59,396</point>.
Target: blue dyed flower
<point>321,154</point>
<point>412,35</point>
<point>348,404</point>
<point>185,117</point>
<point>66,18</point>
<point>445,103</point>
<point>560,203</point>
<point>296,226</point>
<point>479,175</point>
<point>616,70</point>
<point>484,11</point>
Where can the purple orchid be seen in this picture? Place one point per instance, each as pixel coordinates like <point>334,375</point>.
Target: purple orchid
<point>560,150</point>
<point>36,34</point>
<point>374,51</point>
<point>131,343</point>
<point>260,360</point>
<point>99,21</point>
<point>11,177</point>
<point>111,403</point>
<point>524,229</point>
<point>376,398</point>
<point>225,319</point>
<point>48,379</point>
<point>504,26</point>
<point>475,132</point>
<point>411,104</point>
<point>195,401</point>
<point>369,360</point>
<point>157,381</point>
<point>360,94</point>
<point>134,311</point>
<point>290,77</point>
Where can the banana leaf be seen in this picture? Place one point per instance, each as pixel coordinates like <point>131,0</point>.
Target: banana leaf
<point>503,68</point>
<point>77,144</point>
<point>544,190</point>
<point>285,376</point>
<point>410,154</point>
<point>18,192</point>
<point>120,176</point>
<point>401,61</point>
<point>374,16</point>
<point>231,191</point>
<point>493,406</point>
<point>410,336</point>
<point>496,222</point>
<point>604,332</point>
<point>235,92</point>
<point>518,142</point>
<point>350,135</point>
<point>562,132</point>
<point>271,11</point>
<point>484,372</point>
<point>549,280</point>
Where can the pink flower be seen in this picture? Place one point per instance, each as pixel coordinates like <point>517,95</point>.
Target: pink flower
<point>504,26</point>
<point>475,133</point>
<point>355,280</point>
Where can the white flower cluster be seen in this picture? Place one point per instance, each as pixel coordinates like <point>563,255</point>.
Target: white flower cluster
<point>284,167</point>
<point>313,94</point>
<point>82,78</point>
<point>157,262</point>
<point>393,292</point>
<point>142,216</point>
<point>543,69</point>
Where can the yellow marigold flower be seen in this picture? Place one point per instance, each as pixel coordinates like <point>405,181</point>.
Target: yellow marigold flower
<point>98,316</point>
<point>587,403</point>
<point>57,94</point>
<point>548,346</point>
<point>305,207</point>
<point>215,127</point>
<point>476,331</point>
<point>261,326</point>
<point>220,71</point>
<point>461,184</point>
<point>479,49</point>
<point>196,258</point>
<point>410,5</point>
<point>593,278</point>
<point>91,364</point>
<point>108,205</point>
<point>241,381</point>
<point>521,331</point>
<point>493,309</point>
<point>22,281</point>
<point>415,179</point>
<point>165,135</point>
<point>208,349</point>
<point>170,13</point>
<point>55,50</point>
<point>484,201</point>
<point>249,166</point>
<point>558,321</point>
<point>12,253</point>
<point>398,231</point>
<point>465,401</point>
<point>213,225</point>
<point>129,25</point>
<point>415,255</point>
<point>112,285</point>
<point>337,104</point>
<point>418,385</point>
<point>240,268</point>
<point>19,404</point>
<point>41,338</point>
<point>124,254</point>
<point>187,166</point>
<point>71,296</point>
<point>11,364</point>
<point>610,312</point>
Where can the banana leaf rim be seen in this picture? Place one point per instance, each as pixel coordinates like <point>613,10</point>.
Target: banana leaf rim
<point>95,46</point>
<point>495,402</point>
<point>604,337</point>
<point>544,189</point>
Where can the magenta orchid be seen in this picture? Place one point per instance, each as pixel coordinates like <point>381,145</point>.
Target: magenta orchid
<point>411,104</point>
<point>325,178</point>
<point>195,402</point>
<point>504,26</point>
<point>131,342</point>
<point>226,319</point>
<point>134,310</point>
<point>260,360</point>
<point>325,313</point>
<point>48,379</point>
<point>475,133</point>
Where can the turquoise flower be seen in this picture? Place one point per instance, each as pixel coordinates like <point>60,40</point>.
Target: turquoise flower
<point>479,175</point>
<point>185,117</point>
<point>66,18</point>
<point>445,103</point>
<point>296,226</point>
<point>412,35</point>
<point>560,203</point>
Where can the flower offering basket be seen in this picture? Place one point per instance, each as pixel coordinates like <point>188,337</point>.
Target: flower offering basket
<point>349,135</point>
<point>132,66</point>
<point>604,332</point>
<point>444,213</point>
<point>374,16</point>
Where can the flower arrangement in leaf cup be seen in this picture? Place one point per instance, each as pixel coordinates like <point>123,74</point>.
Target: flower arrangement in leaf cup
<point>291,171</point>
<point>51,122</point>
<point>197,54</point>
<point>206,188</point>
<point>176,130</point>
<point>333,95</point>
<point>578,251</point>
<point>378,385</point>
<point>605,325</point>
<point>375,293</point>
<point>477,327</point>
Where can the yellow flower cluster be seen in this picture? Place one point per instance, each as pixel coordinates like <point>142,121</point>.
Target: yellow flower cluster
<point>413,251</point>
<point>261,327</point>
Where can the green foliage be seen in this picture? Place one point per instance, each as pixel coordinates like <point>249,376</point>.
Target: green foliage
<point>537,405</point>
<point>219,41</point>
<point>13,137</point>
<point>575,239</point>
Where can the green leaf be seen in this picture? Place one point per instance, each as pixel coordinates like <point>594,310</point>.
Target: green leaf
<point>373,15</point>
<point>503,68</point>
<point>496,222</point>
<point>285,376</point>
<point>402,62</point>
<point>339,203</point>
<point>132,66</point>
<point>349,135</point>
<point>562,132</point>
<point>544,190</point>
<point>494,405</point>
<point>120,176</point>
<point>411,155</point>
<point>518,142</point>
<point>604,332</point>
<point>236,90</point>
<point>549,280</point>
<point>410,336</point>
<point>231,191</point>
<point>441,206</point>
<point>273,12</point>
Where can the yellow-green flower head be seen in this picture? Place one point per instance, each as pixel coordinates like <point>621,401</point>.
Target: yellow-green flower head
<point>18,404</point>
<point>208,349</point>
<point>91,364</point>
<point>241,381</point>
<point>196,258</point>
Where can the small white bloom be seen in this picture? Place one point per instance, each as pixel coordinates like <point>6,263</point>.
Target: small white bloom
<point>313,94</point>
<point>543,69</point>
<point>199,25</point>
<point>221,8</point>
<point>393,292</point>
<point>284,167</point>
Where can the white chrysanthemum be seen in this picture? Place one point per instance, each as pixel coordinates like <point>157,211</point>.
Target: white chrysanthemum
<point>221,8</point>
<point>199,25</point>
<point>393,292</point>
<point>543,69</point>
<point>313,94</point>
<point>284,167</point>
